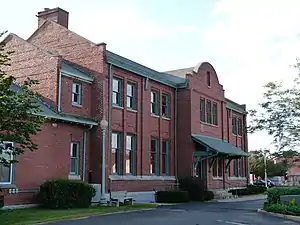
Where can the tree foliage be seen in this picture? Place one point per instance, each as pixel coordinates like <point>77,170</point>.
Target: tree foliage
<point>257,165</point>
<point>18,109</point>
<point>279,114</point>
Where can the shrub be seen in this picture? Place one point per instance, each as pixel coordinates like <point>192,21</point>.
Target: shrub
<point>172,196</point>
<point>249,190</point>
<point>63,194</point>
<point>275,193</point>
<point>208,195</point>
<point>283,209</point>
<point>194,186</point>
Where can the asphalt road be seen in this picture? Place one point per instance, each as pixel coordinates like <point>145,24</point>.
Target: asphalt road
<point>238,213</point>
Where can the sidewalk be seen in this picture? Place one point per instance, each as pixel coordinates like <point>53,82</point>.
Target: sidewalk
<point>244,198</point>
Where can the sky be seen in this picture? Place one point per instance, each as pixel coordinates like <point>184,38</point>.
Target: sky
<point>249,42</point>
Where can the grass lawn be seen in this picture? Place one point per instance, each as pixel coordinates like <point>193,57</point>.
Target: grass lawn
<point>32,216</point>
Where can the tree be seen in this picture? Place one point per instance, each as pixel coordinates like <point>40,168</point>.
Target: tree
<point>18,122</point>
<point>257,165</point>
<point>279,115</point>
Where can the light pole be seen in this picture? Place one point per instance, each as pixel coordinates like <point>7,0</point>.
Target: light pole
<point>103,125</point>
<point>265,162</point>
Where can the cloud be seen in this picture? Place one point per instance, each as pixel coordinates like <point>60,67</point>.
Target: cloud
<point>256,42</point>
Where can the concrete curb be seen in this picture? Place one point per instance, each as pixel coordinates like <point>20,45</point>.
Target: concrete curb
<point>244,198</point>
<point>287,217</point>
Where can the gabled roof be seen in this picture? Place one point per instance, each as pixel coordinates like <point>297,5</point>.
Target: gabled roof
<point>129,65</point>
<point>48,112</point>
<point>71,69</point>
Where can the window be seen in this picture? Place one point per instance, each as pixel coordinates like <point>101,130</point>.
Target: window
<point>165,157</point>
<point>235,168</point>
<point>154,156</point>
<point>165,106</point>
<point>76,94</point>
<point>6,170</point>
<point>241,167</point>
<point>234,129</point>
<point>218,168</point>
<point>208,78</point>
<point>74,158</point>
<point>208,111</point>
<point>129,159</point>
<point>116,153</point>
<point>116,95</point>
<point>202,110</point>
<point>239,127</point>
<point>215,114</point>
<point>154,102</point>
<point>130,101</point>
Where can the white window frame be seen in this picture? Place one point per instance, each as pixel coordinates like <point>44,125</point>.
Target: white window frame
<point>78,158</point>
<point>11,165</point>
<point>74,85</point>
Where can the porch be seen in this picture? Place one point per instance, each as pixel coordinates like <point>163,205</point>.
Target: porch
<point>212,160</point>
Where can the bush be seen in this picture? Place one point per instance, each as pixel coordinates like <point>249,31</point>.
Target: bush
<point>282,209</point>
<point>64,194</point>
<point>249,190</point>
<point>172,196</point>
<point>195,187</point>
<point>275,193</point>
<point>208,195</point>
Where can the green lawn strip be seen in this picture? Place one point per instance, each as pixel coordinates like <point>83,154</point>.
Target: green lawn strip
<point>32,216</point>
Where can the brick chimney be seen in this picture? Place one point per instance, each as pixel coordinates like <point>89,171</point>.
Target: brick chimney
<point>56,15</point>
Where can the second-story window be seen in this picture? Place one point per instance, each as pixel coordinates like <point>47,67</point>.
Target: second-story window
<point>76,94</point>
<point>208,112</point>
<point>215,114</point>
<point>130,100</point>
<point>154,103</point>
<point>165,106</point>
<point>202,110</point>
<point>239,127</point>
<point>208,78</point>
<point>234,127</point>
<point>117,92</point>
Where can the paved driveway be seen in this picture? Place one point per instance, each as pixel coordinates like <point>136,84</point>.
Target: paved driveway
<point>240,213</point>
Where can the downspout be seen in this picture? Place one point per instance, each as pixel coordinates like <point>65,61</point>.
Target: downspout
<point>175,137</point>
<point>109,120</point>
<point>84,156</point>
<point>245,134</point>
<point>59,93</point>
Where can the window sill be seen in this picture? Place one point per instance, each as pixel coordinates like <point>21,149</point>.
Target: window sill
<point>165,118</point>
<point>7,186</point>
<point>117,107</point>
<point>76,105</point>
<point>74,177</point>
<point>217,178</point>
<point>237,178</point>
<point>132,110</point>
<point>154,115</point>
<point>209,124</point>
<point>237,135</point>
<point>131,177</point>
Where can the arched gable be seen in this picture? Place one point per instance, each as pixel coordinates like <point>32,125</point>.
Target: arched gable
<point>206,66</point>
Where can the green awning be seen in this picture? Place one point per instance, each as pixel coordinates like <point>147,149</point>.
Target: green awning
<point>219,146</point>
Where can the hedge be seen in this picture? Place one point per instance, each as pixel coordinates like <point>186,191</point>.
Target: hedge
<point>172,196</point>
<point>283,209</point>
<point>275,193</point>
<point>195,187</point>
<point>249,190</point>
<point>64,194</point>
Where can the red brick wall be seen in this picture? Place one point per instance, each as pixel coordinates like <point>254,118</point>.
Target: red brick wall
<point>66,98</point>
<point>28,61</point>
<point>50,161</point>
<point>141,123</point>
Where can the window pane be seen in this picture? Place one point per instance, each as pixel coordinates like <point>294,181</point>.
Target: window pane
<point>129,102</point>
<point>116,85</point>
<point>208,78</point>
<point>115,98</point>
<point>130,90</point>
<point>214,113</point>
<point>208,112</point>
<point>129,157</point>
<point>115,140</point>
<point>202,110</point>
<point>153,165</point>
<point>165,157</point>
<point>129,142</point>
<point>165,105</point>
<point>234,127</point>
<point>5,174</point>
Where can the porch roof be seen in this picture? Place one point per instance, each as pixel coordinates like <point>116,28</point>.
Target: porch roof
<point>218,146</point>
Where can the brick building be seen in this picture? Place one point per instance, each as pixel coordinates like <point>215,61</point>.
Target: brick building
<point>161,125</point>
